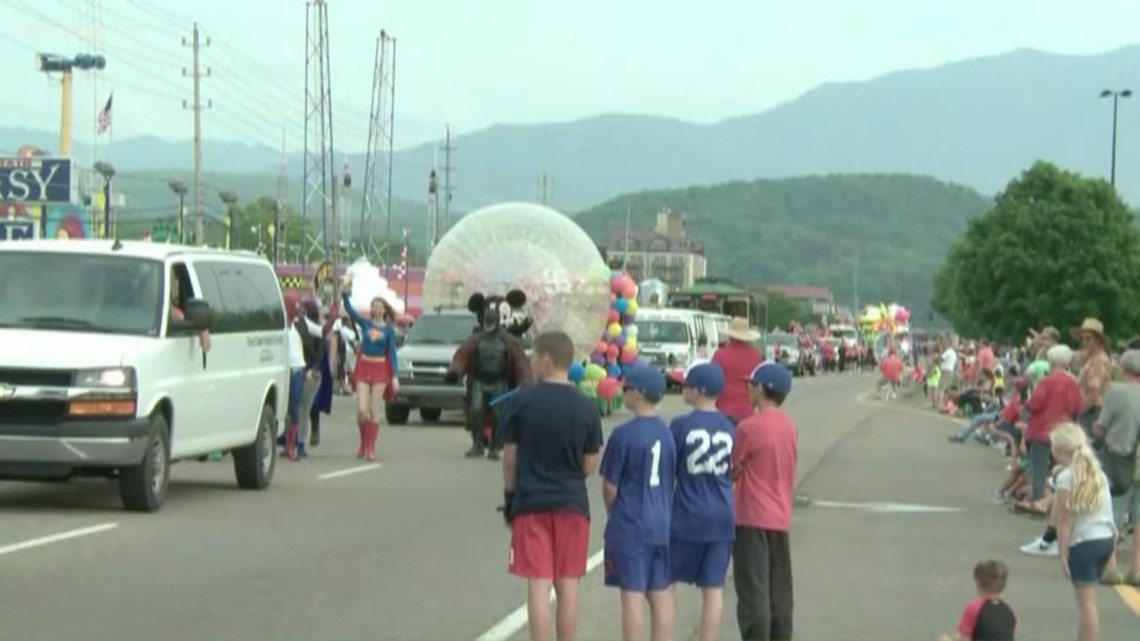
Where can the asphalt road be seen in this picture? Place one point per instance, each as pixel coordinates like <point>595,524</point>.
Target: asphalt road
<point>413,549</point>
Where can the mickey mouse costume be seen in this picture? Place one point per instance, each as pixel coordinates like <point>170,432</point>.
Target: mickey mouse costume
<point>493,361</point>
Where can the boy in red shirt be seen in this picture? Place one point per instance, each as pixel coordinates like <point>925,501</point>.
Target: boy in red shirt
<point>988,617</point>
<point>764,468</point>
<point>892,369</point>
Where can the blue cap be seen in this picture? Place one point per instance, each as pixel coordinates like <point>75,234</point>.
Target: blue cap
<point>773,377</point>
<point>647,380</point>
<point>707,378</point>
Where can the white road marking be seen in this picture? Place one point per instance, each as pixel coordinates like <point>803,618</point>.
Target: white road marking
<point>517,620</point>
<point>56,538</point>
<point>887,508</point>
<point>352,470</point>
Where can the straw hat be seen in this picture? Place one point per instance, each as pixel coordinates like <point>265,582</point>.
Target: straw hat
<point>738,329</point>
<point>1091,326</point>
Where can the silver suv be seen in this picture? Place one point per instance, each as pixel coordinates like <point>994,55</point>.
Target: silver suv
<point>423,361</point>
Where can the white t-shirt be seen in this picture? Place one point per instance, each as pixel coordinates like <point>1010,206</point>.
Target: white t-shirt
<point>949,360</point>
<point>1094,525</point>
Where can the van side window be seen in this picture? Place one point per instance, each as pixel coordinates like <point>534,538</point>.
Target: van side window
<point>245,297</point>
<point>180,290</point>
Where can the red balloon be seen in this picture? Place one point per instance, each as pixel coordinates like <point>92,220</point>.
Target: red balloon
<point>602,347</point>
<point>617,284</point>
<point>612,351</point>
<point>629,290</point>
<point>608,389</point>
<point>613,317</point>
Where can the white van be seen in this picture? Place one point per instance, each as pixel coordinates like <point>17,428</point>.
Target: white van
<point>102,373</point>
<point>718,330</point>
<point>668,338</point>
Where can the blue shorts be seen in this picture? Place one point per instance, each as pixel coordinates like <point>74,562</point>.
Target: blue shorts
<point>638,569</point>
<point>703,564</point>
<point>1087,561</point>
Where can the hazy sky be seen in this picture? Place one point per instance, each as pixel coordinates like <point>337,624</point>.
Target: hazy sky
<point>473,63</point>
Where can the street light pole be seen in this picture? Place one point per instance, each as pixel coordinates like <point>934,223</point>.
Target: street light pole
<point>107,171</point>
<point>230,199</point>
<point>1116,95</point>
<point>180,189</point>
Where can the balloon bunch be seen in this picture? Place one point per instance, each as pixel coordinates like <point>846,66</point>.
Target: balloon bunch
<point>616,352</point>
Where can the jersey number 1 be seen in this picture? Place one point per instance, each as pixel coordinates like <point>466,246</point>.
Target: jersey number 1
<point>655,467</point>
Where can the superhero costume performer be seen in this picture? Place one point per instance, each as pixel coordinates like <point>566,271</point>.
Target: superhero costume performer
<point>493,361</point>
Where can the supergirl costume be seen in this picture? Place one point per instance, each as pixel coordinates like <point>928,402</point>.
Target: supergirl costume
<point>376,360</point>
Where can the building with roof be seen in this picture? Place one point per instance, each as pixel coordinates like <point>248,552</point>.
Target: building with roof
<point>665,251</point>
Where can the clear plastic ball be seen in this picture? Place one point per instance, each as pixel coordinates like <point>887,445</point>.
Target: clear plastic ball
<point>531,248</point>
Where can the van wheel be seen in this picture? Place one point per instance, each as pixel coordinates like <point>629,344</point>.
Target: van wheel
<point>143,486</point>
<point>397,414</point>
<point>254,463</point>
<point>430,414</point>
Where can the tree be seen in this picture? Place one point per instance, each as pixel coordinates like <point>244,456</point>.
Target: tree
<point>253,224</point>
<point>1056,247</point>
<point>777,311</point>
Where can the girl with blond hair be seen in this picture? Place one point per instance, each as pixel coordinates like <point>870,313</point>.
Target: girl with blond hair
<point>1085,525</point>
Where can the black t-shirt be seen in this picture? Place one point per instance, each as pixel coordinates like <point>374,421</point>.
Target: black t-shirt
<point>554,426</point>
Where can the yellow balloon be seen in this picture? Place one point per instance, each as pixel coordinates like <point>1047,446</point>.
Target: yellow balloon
<point>632,309</point>
<point>631,342</point>
<point>615,329</point>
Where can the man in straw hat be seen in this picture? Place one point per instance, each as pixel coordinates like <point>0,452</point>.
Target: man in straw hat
<point>738,358</point>
<point>1096,370</point>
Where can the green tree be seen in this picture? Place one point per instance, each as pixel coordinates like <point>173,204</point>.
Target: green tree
<point>1056,247</point>
<point>777,311</point>
<point>253,224</point>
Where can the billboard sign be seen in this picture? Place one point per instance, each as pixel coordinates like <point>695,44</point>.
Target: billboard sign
<point>19,229</point>
<point>35,180</point>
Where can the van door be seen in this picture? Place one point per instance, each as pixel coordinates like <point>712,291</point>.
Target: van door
<point>184,379</point>
<point>249,344</point>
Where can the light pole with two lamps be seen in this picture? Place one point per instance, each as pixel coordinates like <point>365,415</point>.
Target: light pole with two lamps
<point>180,189</point>
<point>1116,95</point>
<point>230,199</point>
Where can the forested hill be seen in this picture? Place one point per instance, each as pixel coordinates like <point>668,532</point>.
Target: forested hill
<point>893,230</point>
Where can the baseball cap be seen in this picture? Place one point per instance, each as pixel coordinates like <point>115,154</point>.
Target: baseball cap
<point>705,377</point>
<point>647,380</point>
<point>773,377</point>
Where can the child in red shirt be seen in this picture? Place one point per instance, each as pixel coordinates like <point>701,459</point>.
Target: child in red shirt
<point>988,617</point>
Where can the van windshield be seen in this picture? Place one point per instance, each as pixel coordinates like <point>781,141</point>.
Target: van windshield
<point>441,329</point>
<point>658,331</point>
<point>80,292</point>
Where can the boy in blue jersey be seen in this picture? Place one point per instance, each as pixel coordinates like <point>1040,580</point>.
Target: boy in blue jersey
<point>639,466</point>
<point>704,522</point>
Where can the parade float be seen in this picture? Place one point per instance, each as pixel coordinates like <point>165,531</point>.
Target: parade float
<point>884,324</point>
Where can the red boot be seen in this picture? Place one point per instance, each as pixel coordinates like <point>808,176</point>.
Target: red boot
<point>362,425</point>
<point>373,434</point>
<point>291,442</point>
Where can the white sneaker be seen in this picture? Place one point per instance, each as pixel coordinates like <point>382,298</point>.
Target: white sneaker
<point>1040,548</point>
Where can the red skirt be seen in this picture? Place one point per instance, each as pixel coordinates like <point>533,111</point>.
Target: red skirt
<point>374,371</point>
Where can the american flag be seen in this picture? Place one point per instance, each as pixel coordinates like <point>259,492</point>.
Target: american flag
<point>402,270</point>
<point>105,116</point>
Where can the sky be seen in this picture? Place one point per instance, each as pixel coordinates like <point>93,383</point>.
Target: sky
<point>474,63</point>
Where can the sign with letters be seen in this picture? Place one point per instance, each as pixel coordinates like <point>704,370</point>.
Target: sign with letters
<point>19,229</point>
<point>35,180</point>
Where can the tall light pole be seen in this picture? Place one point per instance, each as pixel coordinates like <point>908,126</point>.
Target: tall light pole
<point>180,189</point>
<point>51,63</point>
<point>230,199</point>
<point>107,171</point>
<point>1116,95</point>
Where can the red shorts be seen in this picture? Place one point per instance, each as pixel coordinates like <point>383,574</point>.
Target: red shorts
<point>371,370</point>
<point>549,545</point>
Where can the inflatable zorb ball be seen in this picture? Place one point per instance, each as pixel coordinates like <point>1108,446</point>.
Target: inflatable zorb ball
<point>367,284</point>
<point>531,248</point>
<point>653,293</point>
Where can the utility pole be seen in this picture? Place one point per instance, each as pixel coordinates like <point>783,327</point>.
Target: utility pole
<point>447,188</point>
<point>544,187</point>
<point>196,74</point>
<point>279,206</point>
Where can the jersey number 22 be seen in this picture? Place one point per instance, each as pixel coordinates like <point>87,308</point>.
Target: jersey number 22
<point>700,460</point>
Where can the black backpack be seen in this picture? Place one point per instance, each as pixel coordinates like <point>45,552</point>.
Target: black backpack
<point>311,345</point>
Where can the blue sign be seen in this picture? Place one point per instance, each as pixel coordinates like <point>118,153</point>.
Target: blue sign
<point>18,230</point>
<point>35,180</point>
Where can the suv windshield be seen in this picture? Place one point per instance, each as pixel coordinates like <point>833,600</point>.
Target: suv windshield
<point>80,292</point>
<point>655,331</point>
<point>441,329</point>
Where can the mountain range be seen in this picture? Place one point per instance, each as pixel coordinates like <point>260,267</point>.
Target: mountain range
<point>976,122</point>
